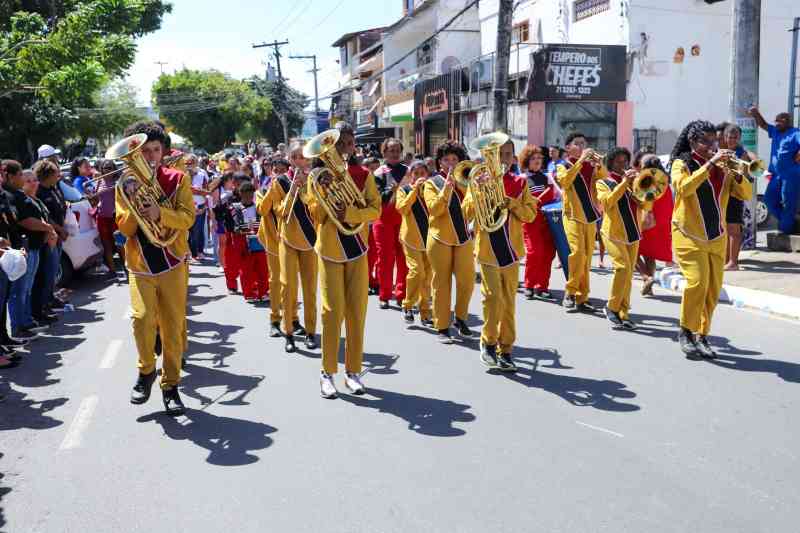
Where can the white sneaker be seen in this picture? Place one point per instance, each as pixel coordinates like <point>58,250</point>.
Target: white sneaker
<point>326,387</point>
<point>353,383</point>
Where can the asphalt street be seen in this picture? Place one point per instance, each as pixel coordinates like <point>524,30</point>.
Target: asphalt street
<point>598,431</point>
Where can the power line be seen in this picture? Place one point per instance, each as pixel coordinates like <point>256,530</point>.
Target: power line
<point>297,17</point>
<point>413,50</point>
<point>332,11</point>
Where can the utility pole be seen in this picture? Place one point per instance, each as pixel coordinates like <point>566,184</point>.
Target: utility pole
<point>161,64</point>
<point>505,16</point>
<point>313,71</point>
<point>746,46</point>
<point>279,103</point>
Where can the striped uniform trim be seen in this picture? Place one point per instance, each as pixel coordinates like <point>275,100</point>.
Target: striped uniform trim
<point>708,198</point>
<point>420,212</point>
<point>454,209</point>
<point>584,196</point>
<point>301,214</point>
<point>500,241</point>
<point>627,212</point>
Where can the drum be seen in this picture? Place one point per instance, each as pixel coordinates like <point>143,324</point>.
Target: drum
<point>554,215</point>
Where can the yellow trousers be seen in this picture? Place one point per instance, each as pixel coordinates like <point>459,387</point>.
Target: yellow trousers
<point>703,270</point>
<point>623,259</point>
<point>344,288</point>
<point>275,289</point>
<point>303,264</point>
<point>581,239</point>
<point>160,302</point>
<point>418,282</point>
<point>499,291</point>
<point>446,262</point>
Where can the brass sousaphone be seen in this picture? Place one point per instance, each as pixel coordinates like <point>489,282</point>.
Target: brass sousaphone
<point>489,195</point>
<point>340,191</point>
<point>139,188</point>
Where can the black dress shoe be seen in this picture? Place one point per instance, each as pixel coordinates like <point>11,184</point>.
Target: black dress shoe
<point>586,307</point>
<point>384,304</point>
<point>275,330</point>
<point>462,328</point>
<point>505,363</point>
<point>142,388</point>
<point>173,405</point>
<point>299,330</point>
<point>705,348</point>
<point>289,347</point>
<point>311,342</point>
<point>689,345</point>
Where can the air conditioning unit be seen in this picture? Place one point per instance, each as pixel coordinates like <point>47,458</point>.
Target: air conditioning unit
<point>449,64</point>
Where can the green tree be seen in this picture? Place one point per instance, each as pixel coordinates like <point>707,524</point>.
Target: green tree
<point>288,103</point>
<point>56,56</point>
<point>114,108</point>
<point>208,107</point>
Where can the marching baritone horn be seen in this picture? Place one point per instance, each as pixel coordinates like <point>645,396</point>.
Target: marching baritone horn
<point>339,191</point>
<point>461,172</point>
<point>489,194</point>
<point>649,185</point>
<point>139,188</point>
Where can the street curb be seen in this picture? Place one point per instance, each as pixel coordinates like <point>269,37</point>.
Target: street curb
<point>768,302</point>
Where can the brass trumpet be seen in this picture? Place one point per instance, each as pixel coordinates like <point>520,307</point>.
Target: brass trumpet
<point>489,194</point>
<point>746,169</point>
<point>339,191</point>
<point>596,158</point>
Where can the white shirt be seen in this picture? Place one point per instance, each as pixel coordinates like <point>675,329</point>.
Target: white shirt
<point>199,181</point>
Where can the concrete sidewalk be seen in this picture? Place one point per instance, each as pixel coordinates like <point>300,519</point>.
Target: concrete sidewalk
<point>768,281</point>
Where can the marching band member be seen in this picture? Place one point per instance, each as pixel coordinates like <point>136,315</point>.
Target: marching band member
<point>702,190</point>
<point>296,247</point>
<point>253,263</point>
<point>621,232</point>
<point>539,246</point>
<point>344,275</point>
<point>414,234</point>
<point>576,179</point>
<point>158,280</point>
<point>268,235</point>
<point>387,227</point>
<point>498,255</point>
<point>450,244</point>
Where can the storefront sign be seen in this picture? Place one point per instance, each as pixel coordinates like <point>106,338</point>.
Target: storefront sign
<point>578,72</point>
<point>434,102</point>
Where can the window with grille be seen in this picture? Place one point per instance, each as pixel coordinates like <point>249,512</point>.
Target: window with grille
<point>520,33</point>
<point>586,8</point>
<point>645,140</point>
<point>425,54</point>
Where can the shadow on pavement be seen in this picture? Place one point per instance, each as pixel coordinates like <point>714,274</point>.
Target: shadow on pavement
<point>229,441</point>
<point>729,357</point>
<point>582,392</point>
<point>773,267</point>
<point>199,377</point>
<point>219,346</point>
<point>20,411</point>
<point>426,416</point>
<point>3,493</point>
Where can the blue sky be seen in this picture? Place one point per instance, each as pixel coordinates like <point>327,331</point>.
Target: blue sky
<point>204,34</point>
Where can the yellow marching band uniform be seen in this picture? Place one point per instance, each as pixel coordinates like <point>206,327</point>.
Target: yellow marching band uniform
<point>442,239</point>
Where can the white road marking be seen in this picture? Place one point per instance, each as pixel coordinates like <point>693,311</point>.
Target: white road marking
<point>111,354</point>
<point>600,429</point>
<point>79,424</point>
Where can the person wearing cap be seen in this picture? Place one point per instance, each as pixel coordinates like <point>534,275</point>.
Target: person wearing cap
<point>70,193</point>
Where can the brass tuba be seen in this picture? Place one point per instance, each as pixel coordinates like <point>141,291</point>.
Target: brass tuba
<point>139,188</point>
<point>649,185</point>
<point>489,194</point>
<point>340,191</point>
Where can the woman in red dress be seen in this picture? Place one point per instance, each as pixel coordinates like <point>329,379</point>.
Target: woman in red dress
<point>656,243</point>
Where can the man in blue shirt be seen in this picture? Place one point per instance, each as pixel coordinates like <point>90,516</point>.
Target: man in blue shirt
<point>783,192</point>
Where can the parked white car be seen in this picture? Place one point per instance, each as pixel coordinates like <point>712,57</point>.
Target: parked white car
<point>82,249</point>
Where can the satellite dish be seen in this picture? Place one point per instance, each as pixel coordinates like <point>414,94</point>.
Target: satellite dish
<point>449,64</point>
